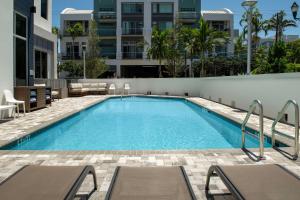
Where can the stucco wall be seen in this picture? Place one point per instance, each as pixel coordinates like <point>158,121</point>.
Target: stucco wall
<point>39,21</point>
<point>273,89</point>
<point>6,47</point>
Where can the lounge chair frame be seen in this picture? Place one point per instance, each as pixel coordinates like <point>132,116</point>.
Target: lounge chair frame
<point>216,171</point>
<point>88,170</point>
<point>115,176</point>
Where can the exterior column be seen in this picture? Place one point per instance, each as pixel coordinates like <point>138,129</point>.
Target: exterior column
<point>147,26</point>
<point>119,31</point>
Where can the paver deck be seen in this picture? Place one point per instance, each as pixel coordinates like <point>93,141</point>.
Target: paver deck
<point>195,163</point>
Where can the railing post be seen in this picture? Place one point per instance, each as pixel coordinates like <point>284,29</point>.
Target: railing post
<point>261,130</point>
<point>261,126</point>
<point>279,116</point>
<point>296,131</point>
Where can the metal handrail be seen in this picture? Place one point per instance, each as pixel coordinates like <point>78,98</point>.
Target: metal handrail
<point>279,116</point>
<point>261,126</point>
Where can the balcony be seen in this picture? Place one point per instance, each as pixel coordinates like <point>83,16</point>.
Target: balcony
<point>132,55</point>
<point>107,32</point>
<point>105,16</point>
<point>132,31</point>
<point>69,56</point>
<point>188,15</point>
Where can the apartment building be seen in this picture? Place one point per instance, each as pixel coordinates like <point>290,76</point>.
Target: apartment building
<point>69,17</point>
<point>125,28</point>
<point>28,48</point>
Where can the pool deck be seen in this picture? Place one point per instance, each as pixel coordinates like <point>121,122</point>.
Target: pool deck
<point>196,163</point>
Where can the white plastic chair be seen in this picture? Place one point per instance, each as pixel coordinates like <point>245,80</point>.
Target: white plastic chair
<point>12,101</point>
<point>112,87</point>
<point>8,107</point>
<point>126,88</point>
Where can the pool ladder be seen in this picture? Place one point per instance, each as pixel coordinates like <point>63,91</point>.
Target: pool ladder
<point>252,108</point>
<point>296,138</point>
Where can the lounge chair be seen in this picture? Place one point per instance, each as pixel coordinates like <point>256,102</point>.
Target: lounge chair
<point>157,183</point>
<point>8,107</point>
<point>112,88</point>
<point>257,182</point>
<point>47,183</point>
<point>12,101</point>
<point>126,88</point>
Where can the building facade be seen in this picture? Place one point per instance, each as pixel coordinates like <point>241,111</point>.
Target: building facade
<point>125,28</point>
<point>45,42</point>
<point>28,49</point>
<point>68,18</point>
<point>268,42</point>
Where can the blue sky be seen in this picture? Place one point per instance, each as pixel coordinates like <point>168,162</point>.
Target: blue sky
<point>267,8</point>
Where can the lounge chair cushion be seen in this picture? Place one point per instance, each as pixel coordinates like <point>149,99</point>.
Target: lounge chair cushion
<point>263,182</point>
<point>159,183</point>
<point>40,182</point>
<point>76,90</point>
<point>102,85</point>
<point>86,85</point>
<point>94,85</point>
<point>75,85</point>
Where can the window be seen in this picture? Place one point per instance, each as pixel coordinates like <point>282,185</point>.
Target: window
<point>162,8</point>
<point>132,28</point>
<point>21,26</point>
<point>132,8</point>
<point>44,9</point>
<point>163,25</point>
<point>41,69</point>
<point>20,54</point>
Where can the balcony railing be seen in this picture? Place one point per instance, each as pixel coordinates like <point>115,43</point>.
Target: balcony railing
<point>132,55</point>
<point>69,56</point>
<point>132,31</point>
<point>188,15</point>
<point>105,15</point>
<point>107,32</point>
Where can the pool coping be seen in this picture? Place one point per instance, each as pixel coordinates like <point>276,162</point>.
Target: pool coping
<point>49,123</point>
<point>139,152</point>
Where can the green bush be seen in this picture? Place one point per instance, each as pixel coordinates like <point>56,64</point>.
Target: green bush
<point>74,69</point>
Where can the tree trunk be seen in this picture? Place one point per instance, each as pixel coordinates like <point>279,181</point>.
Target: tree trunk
<point>191,68</point>
<point>202,64</point>
<point>73,49</point>
<point>159,69</point>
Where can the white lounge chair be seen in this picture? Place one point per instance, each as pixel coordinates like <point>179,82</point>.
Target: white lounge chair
<point>12,101</point>
<point>126,88</point>
<point>112,87</point>
<point>8,107</point>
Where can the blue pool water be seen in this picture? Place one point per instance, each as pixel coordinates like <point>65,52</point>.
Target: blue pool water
<point>140,123</point>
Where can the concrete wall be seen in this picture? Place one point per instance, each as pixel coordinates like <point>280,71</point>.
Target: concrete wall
<point>6,47</point>
<point>272,89</point>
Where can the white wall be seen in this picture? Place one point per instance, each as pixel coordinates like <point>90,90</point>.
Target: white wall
<point>272,89</point>
<point>6,47</point>
<point>39,21</point>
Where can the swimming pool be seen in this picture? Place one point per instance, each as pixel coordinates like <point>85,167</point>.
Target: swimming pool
<point>140,123</point>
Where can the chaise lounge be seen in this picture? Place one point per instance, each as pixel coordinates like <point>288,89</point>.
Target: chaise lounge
<point>47,183</point>
<point>157,183</point>
<point>256,182</point>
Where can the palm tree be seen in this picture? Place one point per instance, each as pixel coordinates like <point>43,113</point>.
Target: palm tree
<point>279,23</point>
<point>239,47</point>
<point>75,31</point>
<point>184,43</point>
<point>159,46</point>
<point>56,32</point>
<point>193,46</point>
<point>258,25</point>
<point>206,38</point>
